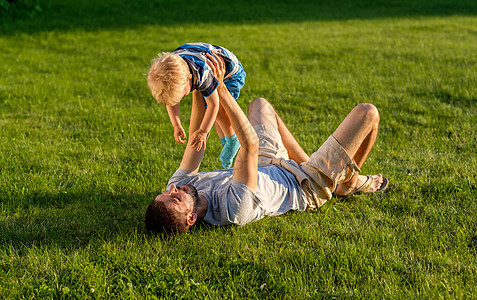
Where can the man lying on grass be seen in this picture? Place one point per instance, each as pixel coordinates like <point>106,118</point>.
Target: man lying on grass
<point>271,175</point>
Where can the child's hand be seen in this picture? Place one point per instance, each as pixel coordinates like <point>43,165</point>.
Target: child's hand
<point>179,134</point>
<point>198,139</point>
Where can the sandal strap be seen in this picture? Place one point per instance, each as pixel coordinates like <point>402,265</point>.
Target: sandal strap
<point>366,184</point>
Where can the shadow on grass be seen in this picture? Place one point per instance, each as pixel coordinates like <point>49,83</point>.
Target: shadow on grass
<point>119,14</point>
<point>74,220</point>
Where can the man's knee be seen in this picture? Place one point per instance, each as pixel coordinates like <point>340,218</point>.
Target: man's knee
<point>260,111</point>
<point>369,113</point>
<point>257,104</point>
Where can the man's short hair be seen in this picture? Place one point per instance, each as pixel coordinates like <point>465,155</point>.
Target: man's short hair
<point>160,219</point>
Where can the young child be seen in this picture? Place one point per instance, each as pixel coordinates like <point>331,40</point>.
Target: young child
<point>173,76</point>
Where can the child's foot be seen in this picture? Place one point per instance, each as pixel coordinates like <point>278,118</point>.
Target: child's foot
<point>222,141</point>
<point>231,147</point>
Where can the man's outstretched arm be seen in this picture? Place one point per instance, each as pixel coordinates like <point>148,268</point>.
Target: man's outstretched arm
<point>192,158</point>
<point>246,163</point>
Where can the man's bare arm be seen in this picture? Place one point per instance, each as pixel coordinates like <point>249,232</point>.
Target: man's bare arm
<point>246,163</point>
<point>192,158</point>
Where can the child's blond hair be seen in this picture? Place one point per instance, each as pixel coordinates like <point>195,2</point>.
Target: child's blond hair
<point>167,78</point>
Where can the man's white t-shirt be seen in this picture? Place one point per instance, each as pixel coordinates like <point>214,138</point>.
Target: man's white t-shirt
<point>231,202</point>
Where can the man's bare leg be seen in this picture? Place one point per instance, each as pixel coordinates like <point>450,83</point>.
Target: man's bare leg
<point>357,134</point>
<point>262,112</point>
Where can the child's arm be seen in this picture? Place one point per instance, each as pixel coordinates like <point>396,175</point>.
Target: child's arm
<point>199,137</point>
<point>175,117</point>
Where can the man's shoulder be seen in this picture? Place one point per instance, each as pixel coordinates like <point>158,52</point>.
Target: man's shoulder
<point>179,175</point>
<point>202,178</point>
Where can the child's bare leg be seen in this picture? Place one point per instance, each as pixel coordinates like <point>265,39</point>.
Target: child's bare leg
<point>357,134</point>
<point>224,123</point>
<point>197,112</point>
<point>229,141</point>
<point>219,131</point>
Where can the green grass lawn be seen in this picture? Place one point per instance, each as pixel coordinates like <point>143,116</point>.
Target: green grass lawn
<point>84,148</point>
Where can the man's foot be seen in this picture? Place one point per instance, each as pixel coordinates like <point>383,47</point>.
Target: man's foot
<point>231,147</point>
<point>365,184</point>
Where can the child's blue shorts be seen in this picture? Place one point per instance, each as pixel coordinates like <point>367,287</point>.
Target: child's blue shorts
<point>236,82</point>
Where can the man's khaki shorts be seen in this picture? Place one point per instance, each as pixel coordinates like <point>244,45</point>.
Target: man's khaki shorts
<point>320,175</point>
<point>270,144</point>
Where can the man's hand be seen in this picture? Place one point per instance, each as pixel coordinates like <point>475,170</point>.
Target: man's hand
<point>219,73</point>
<point>179,134</point>
<point>198,139</point>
